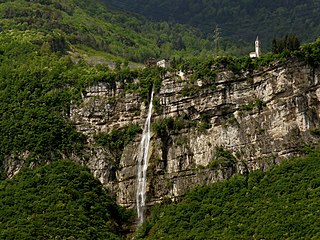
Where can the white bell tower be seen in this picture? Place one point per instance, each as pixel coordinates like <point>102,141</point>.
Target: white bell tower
<point>258,47</point>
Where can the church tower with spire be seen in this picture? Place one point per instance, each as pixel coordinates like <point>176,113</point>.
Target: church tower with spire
<point>257,51</point>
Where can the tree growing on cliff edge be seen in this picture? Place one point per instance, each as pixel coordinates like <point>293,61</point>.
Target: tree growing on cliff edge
<point>289,42</point>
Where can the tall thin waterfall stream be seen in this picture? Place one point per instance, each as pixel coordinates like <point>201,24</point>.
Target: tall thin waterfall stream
<point>143,165</point>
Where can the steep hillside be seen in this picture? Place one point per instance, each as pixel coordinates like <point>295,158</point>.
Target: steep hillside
<point>61,200</point>
<point>212,118</point>
<point>49,52</point>
<point>115,35</point>
<point>237,19</point>
<point>37,85</point>
<point>282,203</point>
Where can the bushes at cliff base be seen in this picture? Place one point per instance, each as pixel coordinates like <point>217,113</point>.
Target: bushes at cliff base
<point>282,203</point>
<point>61,200</point>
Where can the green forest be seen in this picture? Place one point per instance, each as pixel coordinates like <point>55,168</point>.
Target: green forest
<point>91,27</point>
<point>282,203</point>
<point>51,50</point>
<point>37,87</point>
<point>61,200</point>
<point>238,20</point>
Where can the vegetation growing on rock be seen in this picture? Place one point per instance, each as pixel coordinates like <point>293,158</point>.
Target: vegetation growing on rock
<point>39,82</point>
<point>117,139</point>
<point>278,204</point>
<point>48,59</point>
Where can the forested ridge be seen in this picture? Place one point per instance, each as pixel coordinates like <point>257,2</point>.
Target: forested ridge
<point>48,57</point>
<point>44,51</point>
<point>112,34</point>
<point>238,20</point>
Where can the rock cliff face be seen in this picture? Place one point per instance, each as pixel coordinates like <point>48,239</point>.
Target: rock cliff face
<point>245,123</point>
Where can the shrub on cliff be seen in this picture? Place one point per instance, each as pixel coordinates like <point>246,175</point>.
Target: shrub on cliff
<point>118,139</point>
<point>311,53</point>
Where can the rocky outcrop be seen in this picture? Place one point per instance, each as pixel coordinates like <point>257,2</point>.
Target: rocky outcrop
<point>257,119</point>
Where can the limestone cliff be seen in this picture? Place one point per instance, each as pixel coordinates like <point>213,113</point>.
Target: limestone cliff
<point>247,121</point>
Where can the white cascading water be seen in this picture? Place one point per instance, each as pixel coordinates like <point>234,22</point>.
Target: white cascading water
<point>143,165</point>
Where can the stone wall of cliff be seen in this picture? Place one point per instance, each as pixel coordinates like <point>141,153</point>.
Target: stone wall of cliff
<point>245,122</point>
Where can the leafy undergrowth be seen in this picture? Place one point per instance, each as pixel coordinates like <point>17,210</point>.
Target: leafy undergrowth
<point>61,200</point>
<point>283,203</point>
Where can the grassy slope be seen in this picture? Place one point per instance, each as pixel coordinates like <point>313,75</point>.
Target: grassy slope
<point>282,203</point>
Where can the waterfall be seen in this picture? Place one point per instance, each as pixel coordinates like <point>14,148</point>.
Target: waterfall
<point>143,164</point>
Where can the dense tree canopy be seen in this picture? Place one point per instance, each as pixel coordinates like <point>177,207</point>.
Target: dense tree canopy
<point>111,33</point>
<point>282,203</point>
<point>289,42</point>
<point>44,50</point>
<point>61,200</point>
<point>242,19</point>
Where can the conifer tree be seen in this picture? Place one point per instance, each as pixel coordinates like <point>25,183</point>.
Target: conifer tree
<point>289,42</point>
